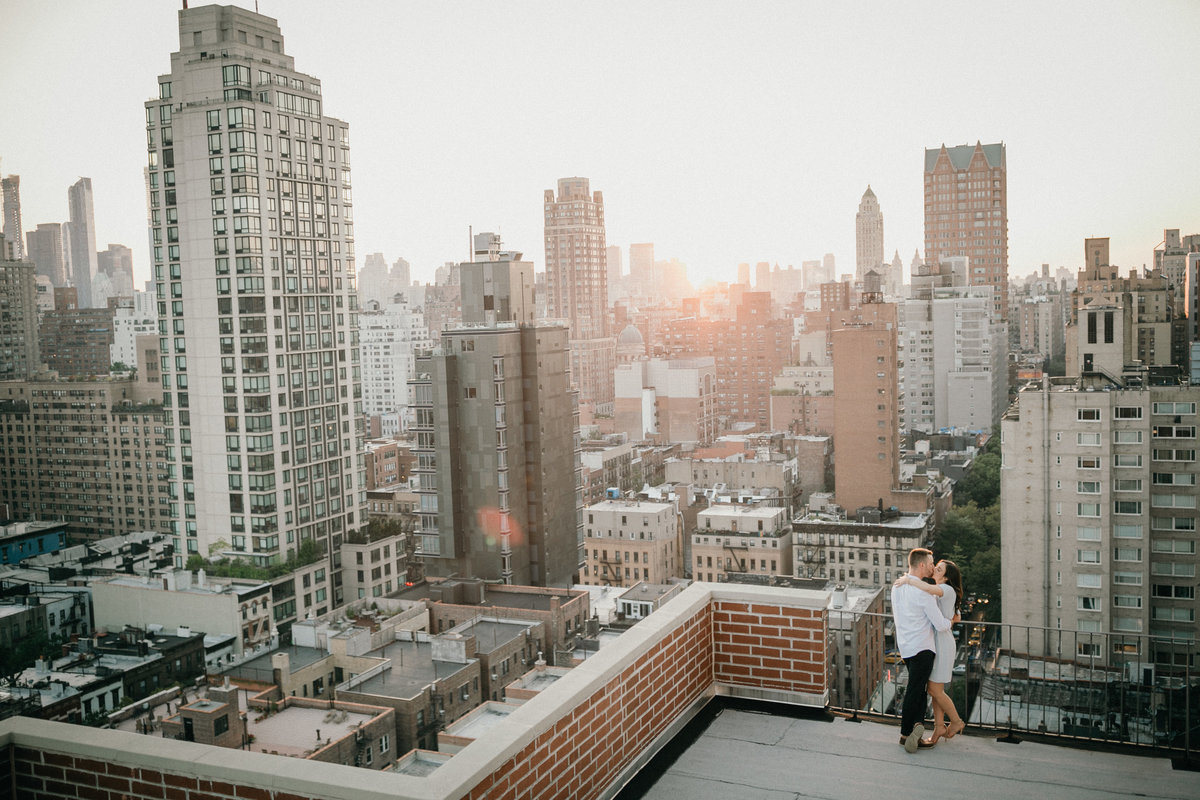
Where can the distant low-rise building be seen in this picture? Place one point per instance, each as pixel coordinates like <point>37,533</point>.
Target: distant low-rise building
<point>642,599</point>
<point>735,539</point>
<point>176,599</point>
<point>630,541</point>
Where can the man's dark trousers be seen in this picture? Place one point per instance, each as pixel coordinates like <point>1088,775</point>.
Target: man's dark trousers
<point>915,697</point>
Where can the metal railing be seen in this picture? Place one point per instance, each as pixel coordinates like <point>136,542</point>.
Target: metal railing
<point>1115,688</point>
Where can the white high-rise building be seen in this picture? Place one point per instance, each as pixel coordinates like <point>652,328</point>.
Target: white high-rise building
<point>79,237</point>
<point>132,318</point>
<point>390,338</point>
<point>253,255</point>
<point>954,373</point>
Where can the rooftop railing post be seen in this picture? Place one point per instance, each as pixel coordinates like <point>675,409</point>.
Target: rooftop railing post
<point>1187,711</point>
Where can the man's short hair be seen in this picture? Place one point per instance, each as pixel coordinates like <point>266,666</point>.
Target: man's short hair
<point>918,555</point>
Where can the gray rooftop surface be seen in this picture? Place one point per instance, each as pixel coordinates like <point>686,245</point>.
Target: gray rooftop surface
<point>298,658</point>
<point>412,669</point>
<point>492,634</point>
<point>747,755</point>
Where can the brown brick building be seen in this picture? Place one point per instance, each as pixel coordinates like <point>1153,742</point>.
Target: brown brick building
<point>749,352</point>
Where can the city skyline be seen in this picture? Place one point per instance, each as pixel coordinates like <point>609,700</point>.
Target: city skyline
<point>747,136</point>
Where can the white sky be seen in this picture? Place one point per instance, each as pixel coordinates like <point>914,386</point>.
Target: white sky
<point>722,132</point>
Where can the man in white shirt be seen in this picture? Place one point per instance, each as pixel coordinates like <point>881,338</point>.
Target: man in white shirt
<point>916,616</point>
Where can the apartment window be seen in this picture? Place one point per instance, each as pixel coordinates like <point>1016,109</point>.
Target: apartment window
<point>1127,412</point>
<point>1127,460</point>
<point>1087,509</point>
<point>1087,534</point>
<point>1127,601</point>
<point>1127,554</point>
<point>1174,479</point>
<point>1126,578</point>
<point>1127,531</point>
<point>1089,604</point>
<point>1088,462</point>
<point>1087,414</point>
<point>1127,507</point>
<point>1174,408</point>
<point>1170,591</point>
<point>1088,439</point>
<point>1173,431</point>
<point>1173,501</point>
<point>1127,437</point>
<point>1179,546</point>
<point>1088,487</point>
<point>1174,568</point>
<point>1168,614</point>
<point>1087,557</point>
<point>1173,523</point>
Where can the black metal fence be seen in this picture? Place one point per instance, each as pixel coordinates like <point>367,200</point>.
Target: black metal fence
<point>1131,689</point>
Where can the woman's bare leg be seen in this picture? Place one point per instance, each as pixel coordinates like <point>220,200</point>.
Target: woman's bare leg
<point>942,704</point>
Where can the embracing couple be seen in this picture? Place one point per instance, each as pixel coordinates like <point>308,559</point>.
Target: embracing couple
<point>923,614</point>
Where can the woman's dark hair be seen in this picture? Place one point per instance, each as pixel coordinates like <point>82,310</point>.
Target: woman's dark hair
<point>954,578</point>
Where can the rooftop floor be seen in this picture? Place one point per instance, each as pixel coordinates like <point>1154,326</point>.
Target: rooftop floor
<point>760,755</point>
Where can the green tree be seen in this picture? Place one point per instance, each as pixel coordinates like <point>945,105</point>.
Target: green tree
<point>982,573</point>
<point>21,654</point>
<point>982,483</point>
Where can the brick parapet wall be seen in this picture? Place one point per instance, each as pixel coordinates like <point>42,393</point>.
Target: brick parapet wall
<point>576,739</point>
<point>770,646</point>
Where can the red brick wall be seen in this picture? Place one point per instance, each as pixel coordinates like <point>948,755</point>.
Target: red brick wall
<point>769,646</point>
<point>584,751</point>
<point>51,775</point>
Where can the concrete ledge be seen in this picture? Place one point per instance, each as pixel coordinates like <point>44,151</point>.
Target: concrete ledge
<point>478,764</point>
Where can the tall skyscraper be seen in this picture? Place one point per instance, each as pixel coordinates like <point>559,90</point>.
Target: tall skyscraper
<point>577,285</point>
<point>11,189</point>
<point>868,235</point>
<point>19,356</point>
<point>966,213</point>
<point>80,239</point>
<point>576,275</point>
<point>498,438</point>
<point>253,256</point>
<point>45,248</point>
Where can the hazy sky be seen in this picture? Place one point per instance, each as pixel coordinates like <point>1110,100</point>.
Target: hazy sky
<point>722,132</point>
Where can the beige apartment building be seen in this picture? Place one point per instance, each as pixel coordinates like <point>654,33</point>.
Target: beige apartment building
<point>1116,321</point>
<point>741,540</point>
<point>1099,508</point>
<point>631,541</point>
<point>867,420</point>
<point>91,453</point>
<point>667,400</point>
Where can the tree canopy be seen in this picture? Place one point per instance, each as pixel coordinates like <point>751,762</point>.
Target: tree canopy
<point>970,532</point>
<point>21,654</point>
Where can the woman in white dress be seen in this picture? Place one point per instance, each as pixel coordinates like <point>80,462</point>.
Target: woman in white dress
<point>948,591</point>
